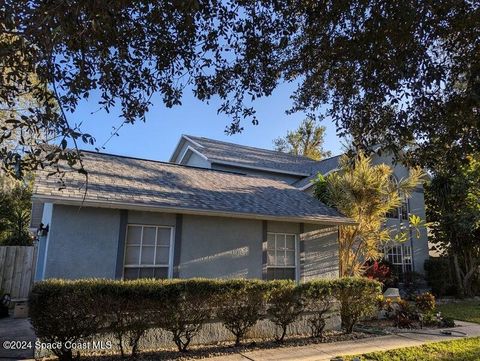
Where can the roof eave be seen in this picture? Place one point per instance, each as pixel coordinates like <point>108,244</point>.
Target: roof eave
<point>325,220</point>
<point>266,169</point>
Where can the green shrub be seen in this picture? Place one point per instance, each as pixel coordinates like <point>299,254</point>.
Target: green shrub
<point>188,307</point>
<point>425,302</point>
<point>242,305</point>
<point>72,311</point>
<point>439,275</point>
<point>318,299</point>
<point>357,297</point>
<point>406,314</point>
<point>63,312</point>
<point>126,323</point>
<point>285,304</point>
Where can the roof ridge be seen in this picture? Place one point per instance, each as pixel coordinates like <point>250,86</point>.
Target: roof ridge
<point>251,147</point>
<point>183,165</point>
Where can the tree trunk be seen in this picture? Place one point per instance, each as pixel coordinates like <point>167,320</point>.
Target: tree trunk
<point>464,279</point>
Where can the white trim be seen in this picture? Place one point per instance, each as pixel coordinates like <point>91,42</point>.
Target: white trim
<point>192,141</point>
<point>47,221</point>
<point>168,265</point>
<point>296,264</point>
<point>271,170</point>
<point>171,252</point>
<point>329,220</point>
<point>176,150</point>
<point>193,150</point>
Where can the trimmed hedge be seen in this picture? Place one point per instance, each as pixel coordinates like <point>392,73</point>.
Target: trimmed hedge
<point>69,311</point>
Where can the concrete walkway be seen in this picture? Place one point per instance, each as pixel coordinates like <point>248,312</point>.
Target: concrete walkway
<point>327,351</point>
<point>16,329</point>
<point>20,330</point>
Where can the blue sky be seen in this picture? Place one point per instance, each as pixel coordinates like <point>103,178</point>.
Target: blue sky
<point>158,136</point>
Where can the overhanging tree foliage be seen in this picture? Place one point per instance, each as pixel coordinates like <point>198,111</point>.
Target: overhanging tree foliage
<point>390,72</point>
<point>15,208</point>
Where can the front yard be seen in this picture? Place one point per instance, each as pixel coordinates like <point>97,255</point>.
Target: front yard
<point>468,311</point>
<point>458,350</point>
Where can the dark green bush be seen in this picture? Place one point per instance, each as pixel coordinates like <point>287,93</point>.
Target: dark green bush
<point>357,297</point>
<point>285,304</point>
<point>318,301</point>
<point>189,305</point>
<point>71,311</point>
<point>439,274</point>
<point>62,312</point>
<point>241,306</point>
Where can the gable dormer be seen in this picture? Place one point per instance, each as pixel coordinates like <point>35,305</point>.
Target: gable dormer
<point>188,152</point>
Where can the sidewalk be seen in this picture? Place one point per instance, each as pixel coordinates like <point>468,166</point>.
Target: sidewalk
<point>327,351</point>
<point>16,329</point>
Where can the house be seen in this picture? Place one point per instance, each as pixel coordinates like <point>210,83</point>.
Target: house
<point>216,209</point>
<point>300,172</point>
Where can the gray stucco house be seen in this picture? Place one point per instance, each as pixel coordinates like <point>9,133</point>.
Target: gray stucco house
<point>216,209</point>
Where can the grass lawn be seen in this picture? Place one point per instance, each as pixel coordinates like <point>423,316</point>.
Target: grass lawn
<point>457,350</point>
<point>463,311</point>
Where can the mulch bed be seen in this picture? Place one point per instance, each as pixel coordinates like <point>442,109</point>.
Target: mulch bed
<point>226,348</point>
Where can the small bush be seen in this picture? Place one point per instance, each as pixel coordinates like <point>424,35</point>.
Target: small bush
<point>242,305</point>
<point>406,314</point>
<point>63,312</point>
<point>318,300</point>
<point>425,302</point>
<point>126,323</point>
<point>381,271</point>
<point>357,297</point>
<point>285,304</point>
<point>189,306</point>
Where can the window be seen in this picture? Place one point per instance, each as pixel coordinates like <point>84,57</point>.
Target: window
<point>400,256</point>
<point>281,256</point>
<point>148,252</point>
<point>393,213</point>
<point>404,207</point>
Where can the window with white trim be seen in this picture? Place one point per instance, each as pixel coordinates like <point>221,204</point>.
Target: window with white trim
<point>148,252</point>
<point>281,256</point>
<point>400,256</point>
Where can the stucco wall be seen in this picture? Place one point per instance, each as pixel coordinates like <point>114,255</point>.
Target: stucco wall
<point>220,247</point>
<point>416,205</point>
<point>82,242</point>
<point>151,218</point>
<point>319,256</point>
<point>419,244</point>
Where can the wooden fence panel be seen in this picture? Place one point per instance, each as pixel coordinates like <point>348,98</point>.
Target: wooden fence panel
<point>17,265</point>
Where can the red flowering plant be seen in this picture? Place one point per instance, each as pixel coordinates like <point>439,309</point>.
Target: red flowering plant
<point>380,271</point>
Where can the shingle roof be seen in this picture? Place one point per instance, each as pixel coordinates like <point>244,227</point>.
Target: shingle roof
<point>323,166</point>
<point>216,150</point>
<point>123,182</point>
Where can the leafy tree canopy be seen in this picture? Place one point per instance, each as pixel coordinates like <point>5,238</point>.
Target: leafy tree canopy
<point>389,72</point>
<point>306,140</point>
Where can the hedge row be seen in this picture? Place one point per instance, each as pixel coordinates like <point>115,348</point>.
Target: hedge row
<point>66,312</point>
